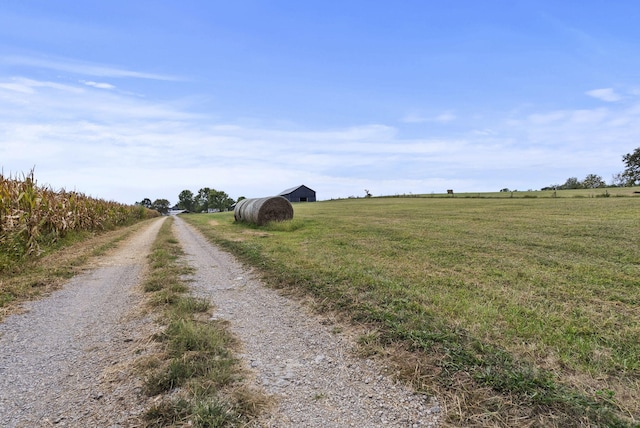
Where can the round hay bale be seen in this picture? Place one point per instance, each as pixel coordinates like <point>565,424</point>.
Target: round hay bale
<point>260,211</point>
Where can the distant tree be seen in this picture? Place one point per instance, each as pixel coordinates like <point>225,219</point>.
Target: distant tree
<point>161,205</point>
<point>631,173</point>
<point>552,187</point>
<point>593,181</point>
<point>367,194</point>
<point>146,202</point>
<point>506,189</point>
<point>201,200</point>
<point>618,180</point>
<point>241,198</point>
<point>219,200</point>
<point>185,200</point>
<point>572,183</point>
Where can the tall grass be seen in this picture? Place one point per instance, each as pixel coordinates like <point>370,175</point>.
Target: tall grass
<point>32,215</point>
<point>516,312</point>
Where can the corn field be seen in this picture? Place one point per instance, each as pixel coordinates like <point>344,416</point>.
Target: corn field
<point>31,214</point>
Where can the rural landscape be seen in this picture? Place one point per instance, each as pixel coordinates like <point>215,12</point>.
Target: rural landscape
<point>319,214</point>
<point>512,308</point>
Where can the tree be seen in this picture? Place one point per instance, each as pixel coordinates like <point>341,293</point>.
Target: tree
<point>186,201</point>
<point>593,181</point>
<point>219,200</point>
<point>201,201</point>
<point>146,202</point>
<point>572,183</point>
<point>631,173</point>
<point>617,180</point>
<point>161,205</point>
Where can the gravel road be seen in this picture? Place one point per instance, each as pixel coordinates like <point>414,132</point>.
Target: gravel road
<point>66,361</point>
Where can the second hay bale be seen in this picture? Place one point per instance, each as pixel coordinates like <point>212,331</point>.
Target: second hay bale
<point>260,211</point>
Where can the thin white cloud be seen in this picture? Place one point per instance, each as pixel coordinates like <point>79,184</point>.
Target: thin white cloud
<point>84,68</point>
<point>99,85</point>
<point>444,117</point>
<point>17,87</point>
<point>62,101</point>
<point>27,86</point>
<point>605,94</point>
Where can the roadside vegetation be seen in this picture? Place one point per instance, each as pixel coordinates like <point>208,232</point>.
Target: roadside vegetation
<point>197,377</point>
<point>513,311</point>
<point>33,217</point>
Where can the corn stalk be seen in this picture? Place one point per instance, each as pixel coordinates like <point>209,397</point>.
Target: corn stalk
<point>31,214</point>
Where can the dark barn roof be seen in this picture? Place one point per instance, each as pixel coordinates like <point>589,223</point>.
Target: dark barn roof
<point>300,193</point>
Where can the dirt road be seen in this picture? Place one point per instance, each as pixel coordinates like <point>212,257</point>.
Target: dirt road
<point>64,362</point>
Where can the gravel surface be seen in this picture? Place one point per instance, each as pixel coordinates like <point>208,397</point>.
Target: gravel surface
<point>298,357</point>
<point>64,361</point>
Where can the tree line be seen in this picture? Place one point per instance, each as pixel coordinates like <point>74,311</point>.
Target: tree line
<point>629,177</point>
<point>205,200</point>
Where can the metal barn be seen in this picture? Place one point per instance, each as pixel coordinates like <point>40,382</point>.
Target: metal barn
<point>299,194</point>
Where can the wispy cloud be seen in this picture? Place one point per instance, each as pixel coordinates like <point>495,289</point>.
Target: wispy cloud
<point>605,94</point>
<point>99,85</point>
<point>83,68</point>
<point>443,117</point>
<point>28,86</point>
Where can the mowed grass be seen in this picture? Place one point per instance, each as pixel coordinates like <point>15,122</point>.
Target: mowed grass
<point>517,312</point>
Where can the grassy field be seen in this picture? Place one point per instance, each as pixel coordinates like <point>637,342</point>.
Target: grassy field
<point>516,311</point>
<point>568,193</point>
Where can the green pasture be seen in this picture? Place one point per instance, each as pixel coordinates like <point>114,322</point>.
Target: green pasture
<point>565,193</point>
<point>532,300</point>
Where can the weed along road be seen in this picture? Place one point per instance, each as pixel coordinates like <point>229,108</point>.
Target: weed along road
<point>304,362</point>
<point>62,361</point>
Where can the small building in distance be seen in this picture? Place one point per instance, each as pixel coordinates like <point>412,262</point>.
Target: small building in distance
<point>299,194</point>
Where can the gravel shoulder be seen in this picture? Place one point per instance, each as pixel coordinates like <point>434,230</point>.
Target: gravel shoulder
<point>306,362</point>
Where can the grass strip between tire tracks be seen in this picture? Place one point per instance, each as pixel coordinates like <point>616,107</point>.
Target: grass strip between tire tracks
<point>197,377</point>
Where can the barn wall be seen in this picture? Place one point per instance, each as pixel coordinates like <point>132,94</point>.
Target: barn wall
<point>301,194</point>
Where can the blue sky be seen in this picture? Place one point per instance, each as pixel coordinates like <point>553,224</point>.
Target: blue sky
<point>124,100</point>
